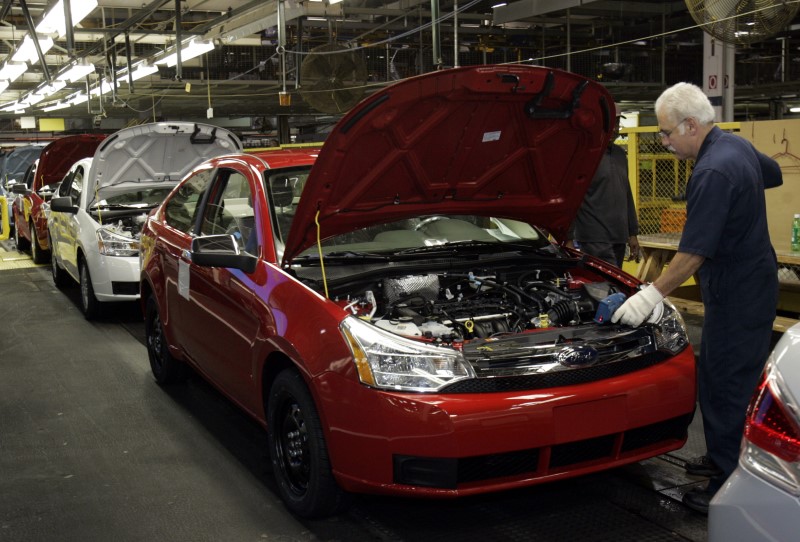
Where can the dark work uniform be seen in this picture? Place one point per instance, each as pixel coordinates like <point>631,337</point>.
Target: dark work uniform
<point>726,221</point>
<point>607,217</point>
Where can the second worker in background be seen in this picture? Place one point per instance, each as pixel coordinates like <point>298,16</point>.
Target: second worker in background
<point>606,221</point>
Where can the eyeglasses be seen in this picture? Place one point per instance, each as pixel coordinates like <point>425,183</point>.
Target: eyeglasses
<point>664,134</point>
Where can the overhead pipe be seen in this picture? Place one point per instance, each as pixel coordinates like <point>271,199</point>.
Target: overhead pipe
<point>178,41</point>
<point>437,45</point>
<point>68,28</point>
<point>35,38</point>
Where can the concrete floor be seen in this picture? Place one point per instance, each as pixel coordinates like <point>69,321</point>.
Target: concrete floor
<point>91,449</point>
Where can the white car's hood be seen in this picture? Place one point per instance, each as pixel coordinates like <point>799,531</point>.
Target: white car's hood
<point>160,153</point>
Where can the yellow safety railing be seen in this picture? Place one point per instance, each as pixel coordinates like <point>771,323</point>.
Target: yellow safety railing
<point>5,227</point>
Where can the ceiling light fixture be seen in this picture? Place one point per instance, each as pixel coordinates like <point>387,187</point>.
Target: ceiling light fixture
<point>54,23</point>
<point>49,90</point>
<point>4,85</point>
<point>58,105</point>
<point>77,98</point>
<point>143,69</point>
<point>794,110</point>
<point>191,50</point>
<point>11,71</point>
<point>26,52</point>
<point>76,71</point>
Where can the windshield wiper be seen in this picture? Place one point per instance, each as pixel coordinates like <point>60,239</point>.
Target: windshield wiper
<point>460,246</point>
<point>137,206</point>
<point>344,257</point>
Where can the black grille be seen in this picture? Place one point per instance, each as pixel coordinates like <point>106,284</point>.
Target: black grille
<point>448,473</point>
<point>555,379</point>
<point>125,288</point>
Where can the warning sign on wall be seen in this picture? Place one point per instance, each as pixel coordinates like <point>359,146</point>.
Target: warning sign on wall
<point>712,82</point>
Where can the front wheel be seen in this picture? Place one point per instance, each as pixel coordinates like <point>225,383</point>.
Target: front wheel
<point>166,369</point>
<point>299,454</point>
<point>89,303</point>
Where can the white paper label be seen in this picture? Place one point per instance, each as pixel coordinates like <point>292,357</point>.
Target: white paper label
<point>491,136</point>
<point>183,278</point>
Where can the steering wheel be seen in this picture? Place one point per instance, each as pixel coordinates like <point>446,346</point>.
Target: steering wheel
<point>427,221</point>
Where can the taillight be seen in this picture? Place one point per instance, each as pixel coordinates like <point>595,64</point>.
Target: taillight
<point>770,426</point>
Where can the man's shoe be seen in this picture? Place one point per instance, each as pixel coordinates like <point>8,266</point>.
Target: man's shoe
<point>702,466</point>
<point>697,499</point>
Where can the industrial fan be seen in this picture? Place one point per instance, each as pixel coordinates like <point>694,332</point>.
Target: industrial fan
<point>742,22</point>
<point>332,78</point>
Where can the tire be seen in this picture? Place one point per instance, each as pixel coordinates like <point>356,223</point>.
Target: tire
<point>166,369</point>
<point>39,256</point>
<point>21,242</point>
<point>60,277</point>
<point>298,451</point>
<point>89,304</point>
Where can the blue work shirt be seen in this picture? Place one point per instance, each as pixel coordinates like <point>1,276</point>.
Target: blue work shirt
<point>726,222</point>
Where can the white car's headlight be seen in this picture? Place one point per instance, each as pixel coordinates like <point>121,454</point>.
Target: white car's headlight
<point>387,361</point>
<point>111,244</point>
<point>670,330</point>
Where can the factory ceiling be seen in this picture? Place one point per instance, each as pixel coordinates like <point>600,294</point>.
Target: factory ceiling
<point>315,59</point>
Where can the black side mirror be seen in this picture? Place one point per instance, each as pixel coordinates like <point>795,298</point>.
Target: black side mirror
<point>63,205</point>
<point>19,188</point>
<point>221,251</point>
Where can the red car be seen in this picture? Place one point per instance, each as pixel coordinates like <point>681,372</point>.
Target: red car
<point>393,310</point>
<point>53,163</point>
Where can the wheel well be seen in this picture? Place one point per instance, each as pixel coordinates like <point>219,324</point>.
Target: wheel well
<point>274,364</point>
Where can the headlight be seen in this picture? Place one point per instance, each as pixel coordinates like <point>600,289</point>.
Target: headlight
<point>111,244</point>
<point>384,360</point>
<point>670,330</point>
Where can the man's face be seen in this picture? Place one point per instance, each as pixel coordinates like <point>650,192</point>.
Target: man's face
<point>675,137</point>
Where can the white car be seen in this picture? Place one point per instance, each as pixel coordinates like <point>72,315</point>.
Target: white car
<point>96,217</point>
<point>761,499</point>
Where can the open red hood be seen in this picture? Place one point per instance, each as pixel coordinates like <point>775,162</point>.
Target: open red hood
<point>520,142</point>
<point>58,157</point>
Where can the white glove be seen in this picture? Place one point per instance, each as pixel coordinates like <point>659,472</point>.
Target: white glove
<point>638,307</point>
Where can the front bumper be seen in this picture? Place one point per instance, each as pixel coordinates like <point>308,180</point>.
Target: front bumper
<point>114,278</point>
<point>449,445</point>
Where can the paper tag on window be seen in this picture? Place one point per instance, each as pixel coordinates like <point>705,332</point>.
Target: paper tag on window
<point>491,136</point>
<point>183,278</point>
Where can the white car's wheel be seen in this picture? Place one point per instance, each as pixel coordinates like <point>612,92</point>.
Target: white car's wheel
<point>89,303</point>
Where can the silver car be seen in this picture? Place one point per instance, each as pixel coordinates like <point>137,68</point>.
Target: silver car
<point>761,499</point>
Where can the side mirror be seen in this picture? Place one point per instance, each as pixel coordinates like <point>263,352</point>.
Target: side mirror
<point>19,188</point>
<point>63,205</point>
<point>220,251</point>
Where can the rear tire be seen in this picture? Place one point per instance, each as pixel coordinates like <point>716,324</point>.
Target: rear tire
<point>299,454</point>
<point>166,369</point>
<point>89,303</point>
<point>22,243</point>
<point>38,255</point>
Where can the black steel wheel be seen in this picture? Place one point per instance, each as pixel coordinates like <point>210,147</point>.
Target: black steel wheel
<point>38,255</point>
<point>299,454</point>
<point>89,303</point>
<point>166,369</point>
<point>21,242</point>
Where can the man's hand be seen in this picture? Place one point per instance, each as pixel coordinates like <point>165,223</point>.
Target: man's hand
<point>638,307</point>
<point>636,250</point>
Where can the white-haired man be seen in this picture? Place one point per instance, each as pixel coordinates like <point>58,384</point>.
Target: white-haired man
<point>726,242</point>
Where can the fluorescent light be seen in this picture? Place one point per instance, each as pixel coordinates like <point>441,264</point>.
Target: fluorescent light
<point>77,98</point>
<point>26,52</point>
<point>143,69</point>
<point>794,110</point>
<point>332,2</point>
<point>31,99</point>
<point>53,22</point>
<point>102,88</point>
<point>12,70</point>
<point>79,70</point>
<point>501,4</point>
<point>48,90</point>
<point>58,105</point>
<point>3,85</point>
<point>191,50</point>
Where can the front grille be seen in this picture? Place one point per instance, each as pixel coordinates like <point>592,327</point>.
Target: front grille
<point>125,288</point>
<point>448,473</point>
<point>571,377</point>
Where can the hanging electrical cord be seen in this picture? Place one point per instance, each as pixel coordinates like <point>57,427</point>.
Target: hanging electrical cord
<point>321,259</point>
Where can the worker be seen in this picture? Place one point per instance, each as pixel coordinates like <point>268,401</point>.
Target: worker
<point>725,241</point>
<point>606,221</point>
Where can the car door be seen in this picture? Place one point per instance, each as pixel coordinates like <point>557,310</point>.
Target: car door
<point>174,241</point>
<point>64,226</point>
<point>221,313</point>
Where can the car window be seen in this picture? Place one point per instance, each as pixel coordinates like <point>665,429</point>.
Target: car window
<point>181,209</point>
<point>72,185</point>
<point>285,188</point>
<point>230,211</point>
